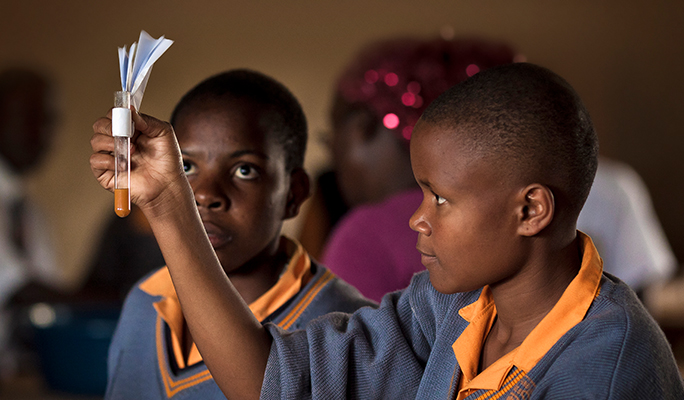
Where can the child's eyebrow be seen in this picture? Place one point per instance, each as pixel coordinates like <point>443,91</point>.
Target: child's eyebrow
<point>422,182</point>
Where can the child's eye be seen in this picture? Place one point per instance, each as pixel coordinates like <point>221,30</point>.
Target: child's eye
<point>246,172</point>
<point>188,168</point>
<point>440,200</point>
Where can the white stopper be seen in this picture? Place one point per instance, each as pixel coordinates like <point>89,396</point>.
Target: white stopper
<point>122,123</point>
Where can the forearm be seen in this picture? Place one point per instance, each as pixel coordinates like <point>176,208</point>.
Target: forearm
<point>232,342</point>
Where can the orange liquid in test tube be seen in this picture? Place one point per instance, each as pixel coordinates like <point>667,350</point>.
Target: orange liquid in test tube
<point>122,205</point>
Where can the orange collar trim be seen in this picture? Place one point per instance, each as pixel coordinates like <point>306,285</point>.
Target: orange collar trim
<point>568,312</point>
<point>295,276</point>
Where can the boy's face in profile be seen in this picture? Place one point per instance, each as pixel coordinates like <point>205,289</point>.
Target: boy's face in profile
<point>237,172</point>
<point>467,220</point>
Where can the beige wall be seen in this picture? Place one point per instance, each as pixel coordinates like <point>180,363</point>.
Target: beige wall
<point>623,56</point>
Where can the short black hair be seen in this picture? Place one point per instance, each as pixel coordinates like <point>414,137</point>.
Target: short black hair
<point>281,113</point>
<point>532,119</point>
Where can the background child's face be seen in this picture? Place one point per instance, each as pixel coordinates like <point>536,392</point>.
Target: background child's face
<point>237,172</point>
<point>364,161</point>
<point>467,220</point>
<point>352,162</point>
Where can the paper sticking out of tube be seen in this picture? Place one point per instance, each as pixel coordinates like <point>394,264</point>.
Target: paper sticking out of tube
<point>135,65</point>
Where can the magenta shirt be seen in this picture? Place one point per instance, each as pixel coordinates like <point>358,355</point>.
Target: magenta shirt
<point>373,248</point>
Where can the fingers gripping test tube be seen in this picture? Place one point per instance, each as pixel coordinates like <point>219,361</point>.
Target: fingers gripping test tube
<point>122,130</point>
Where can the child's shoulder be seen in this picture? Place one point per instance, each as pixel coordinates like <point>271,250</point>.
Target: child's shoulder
<point>138,315</point>
<point>618,302</point>
<point>149,288</point>
<point>620,315</point>
<point>616,320</point>
<point>617,346</point>
<point>333,293</point>
<point>618,330</point>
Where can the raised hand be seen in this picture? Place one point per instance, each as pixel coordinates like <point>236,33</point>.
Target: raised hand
<point>156,163</point>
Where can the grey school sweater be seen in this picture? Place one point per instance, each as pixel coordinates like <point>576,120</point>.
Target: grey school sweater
<point>403,351</point>
<point>140,365</point>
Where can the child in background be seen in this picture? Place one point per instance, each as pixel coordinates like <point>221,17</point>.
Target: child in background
<point>513,303</point>
<point>29,271</point>
<point>242,136</point>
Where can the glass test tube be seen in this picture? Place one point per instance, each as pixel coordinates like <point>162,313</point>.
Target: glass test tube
<point>122,130</point>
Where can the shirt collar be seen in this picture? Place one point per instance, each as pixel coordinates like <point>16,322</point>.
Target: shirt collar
<point>568,312</point>
<point>294,277</point>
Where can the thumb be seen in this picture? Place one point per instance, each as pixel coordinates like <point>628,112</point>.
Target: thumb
<point>150,126</point>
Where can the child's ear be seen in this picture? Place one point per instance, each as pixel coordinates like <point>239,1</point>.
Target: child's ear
<point>299,191</point>
<point>537,210</point>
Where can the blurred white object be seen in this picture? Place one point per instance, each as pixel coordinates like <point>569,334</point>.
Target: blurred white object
<point>620,218</point>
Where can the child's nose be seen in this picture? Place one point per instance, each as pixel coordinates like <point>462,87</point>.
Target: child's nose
<point>418,223</point>
<point>210,196</point>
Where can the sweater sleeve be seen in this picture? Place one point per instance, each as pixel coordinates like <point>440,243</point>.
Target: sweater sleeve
<point>373,353</point>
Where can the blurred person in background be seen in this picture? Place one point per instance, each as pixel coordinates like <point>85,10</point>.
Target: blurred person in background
<point>27,257</point>
<point>620,218</point>
<point>379,97</point>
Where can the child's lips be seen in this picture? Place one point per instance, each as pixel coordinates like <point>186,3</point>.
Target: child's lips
<point>426,258</point>
<point>217,236</point>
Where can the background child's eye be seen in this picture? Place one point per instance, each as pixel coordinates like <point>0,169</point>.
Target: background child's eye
<point>440,199</point>
<point>247,172</point>
<point>188,168</point>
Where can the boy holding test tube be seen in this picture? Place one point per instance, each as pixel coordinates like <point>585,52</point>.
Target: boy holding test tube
<point>514,302</point>
<point>242,137</point>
